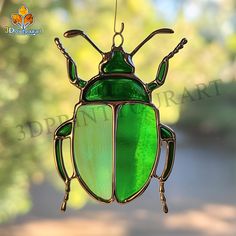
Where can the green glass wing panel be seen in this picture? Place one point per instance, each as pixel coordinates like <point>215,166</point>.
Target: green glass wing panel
<point>93,145</point>
<point>116,89</point>
<point>136,148</point>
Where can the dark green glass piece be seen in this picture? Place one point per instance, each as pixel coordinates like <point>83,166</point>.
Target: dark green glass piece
<point>64,130</point>
<point>166,133</point>
<point>117,64</point>
<point>58,154</point>
<point>169,161</point>
<point>136,149</point>
<point>162,71</point>
<point>72,71</point>
<point>81,83</point>
<point>73,74</point>
<point>116,89</point>
<point>152,86</point>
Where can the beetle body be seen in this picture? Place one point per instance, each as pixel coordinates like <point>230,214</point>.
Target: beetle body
<point>115,131</point>
<point>115,167</point>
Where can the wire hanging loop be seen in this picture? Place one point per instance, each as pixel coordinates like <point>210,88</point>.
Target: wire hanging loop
<point>118,34</point>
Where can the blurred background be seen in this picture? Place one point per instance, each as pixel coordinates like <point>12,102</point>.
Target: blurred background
<point>197,100</point>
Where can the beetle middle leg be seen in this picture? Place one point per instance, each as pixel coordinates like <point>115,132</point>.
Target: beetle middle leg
<point>63,132</point>
<point>167,136</point>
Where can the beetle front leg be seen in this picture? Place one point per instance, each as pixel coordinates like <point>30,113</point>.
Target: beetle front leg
<point>167,136</point>
<point>163,67</point>
<point>71,67</point>
<point>62,132</point>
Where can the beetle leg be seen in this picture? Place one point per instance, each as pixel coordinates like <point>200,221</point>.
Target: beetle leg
<point>72,73</point>
<point>71,67</point>
<point>61,133</point>
<point>167,136</point>
<point>163,67</point>
<point>163,197</point>
<point>67,192</point>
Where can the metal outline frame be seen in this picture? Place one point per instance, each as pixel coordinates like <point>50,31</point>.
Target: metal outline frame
<point>115,105</point>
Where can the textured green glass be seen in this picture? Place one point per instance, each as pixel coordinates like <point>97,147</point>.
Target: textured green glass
<point>64,130</point>
<point>58,152</point>
<point>152,86</point>
<point>166,133</point>
<point>136,148</point>
<point>170,160</point>
<point>72,70</point>
<point>116,89</point>
<point>73,74</point>
<point>93,148</point>
<point>117,64</point>
<point>162,71</point>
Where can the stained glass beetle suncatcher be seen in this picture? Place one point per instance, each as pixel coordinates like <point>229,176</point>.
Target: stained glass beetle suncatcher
<point>115,156</point>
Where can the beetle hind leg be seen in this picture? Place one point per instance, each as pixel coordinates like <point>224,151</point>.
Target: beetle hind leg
<point>167,136</point>
<point>163,197</point>
<point>63,132</point>
<point>67,193</point>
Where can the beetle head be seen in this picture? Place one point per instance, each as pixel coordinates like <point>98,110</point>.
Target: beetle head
<point>116,61</point>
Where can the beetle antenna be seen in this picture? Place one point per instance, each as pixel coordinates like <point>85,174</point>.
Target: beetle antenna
<point>159,31</point>
<point>73,33</point>
<point>178,47</point>
<point>62,50</point>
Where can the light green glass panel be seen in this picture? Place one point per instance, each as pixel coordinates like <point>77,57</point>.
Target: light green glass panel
<point>136,148</point>
<point>93,148</point>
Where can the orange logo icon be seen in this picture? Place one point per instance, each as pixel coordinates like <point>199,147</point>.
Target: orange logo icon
<point>23,18</point>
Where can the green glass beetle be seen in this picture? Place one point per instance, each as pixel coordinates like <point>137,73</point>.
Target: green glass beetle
<point>115,131</point>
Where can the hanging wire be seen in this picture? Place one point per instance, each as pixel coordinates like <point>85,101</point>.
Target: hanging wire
<point>116,9</point>
<point>117,33</point>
